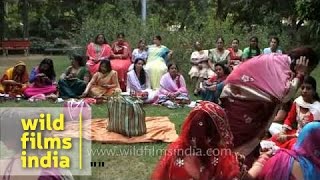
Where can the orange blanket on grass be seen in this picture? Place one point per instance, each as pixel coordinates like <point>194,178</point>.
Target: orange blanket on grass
<point>158,129</point>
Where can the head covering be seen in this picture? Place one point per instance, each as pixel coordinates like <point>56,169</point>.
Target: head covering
<point>217,117</point>
<point>314,108</point>
<point>205,127</point>
<point>269,73</point>
<point>306,151</point>
<point>19,78</point>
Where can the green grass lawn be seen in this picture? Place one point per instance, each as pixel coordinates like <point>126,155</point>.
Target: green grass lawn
<point>120,167</point>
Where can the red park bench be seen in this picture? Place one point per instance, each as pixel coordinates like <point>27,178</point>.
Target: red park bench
<point>15,44</point>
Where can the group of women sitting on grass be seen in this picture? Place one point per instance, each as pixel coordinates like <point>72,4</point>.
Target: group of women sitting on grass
<point>76,82</point>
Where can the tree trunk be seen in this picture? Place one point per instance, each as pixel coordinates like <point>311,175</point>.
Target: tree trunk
<point>2,21</point>
<point>25,18</point>
<point>219,13</point>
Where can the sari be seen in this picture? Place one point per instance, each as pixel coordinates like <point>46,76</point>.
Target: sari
<point>99,79</point>
<point>210,95</point>
<point>97,52</point>
<point>306,152</point>
<point>205,130</point>
<point>200,67</point>
<point>235,57</point>
<point>133,84</point>
<point>170,86</point>
<point>156,64</point>
<point>74,87</point>
<point>295,116</point>
<point>40,85</point>
<point>216,57</point>
<point>121,65</point>
<point>251,97</point>
<point>10,74</point>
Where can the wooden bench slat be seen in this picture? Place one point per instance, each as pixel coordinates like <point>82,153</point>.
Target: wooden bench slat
<point>7,45</point>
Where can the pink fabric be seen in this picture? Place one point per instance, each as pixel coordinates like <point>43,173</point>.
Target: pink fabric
<point>32,91</point>
<point>91,53</point>
<point>121,65</point>
<point>268,72</point>
<point>168,85</point>
<point>38,97</point>
<point>90,100</point>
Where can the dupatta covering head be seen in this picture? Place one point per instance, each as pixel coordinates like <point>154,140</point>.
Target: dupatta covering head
<point>205,128</point>
<point>12,73</point>
<point>306,151</point>
<point>269,73</point>
<point>206,118</point>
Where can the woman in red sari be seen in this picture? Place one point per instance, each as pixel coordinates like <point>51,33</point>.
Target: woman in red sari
<point>305,109</point>
<point>203,150</point>
<point>235,54</point>
<point>97,51</point>
<point>121,59</point>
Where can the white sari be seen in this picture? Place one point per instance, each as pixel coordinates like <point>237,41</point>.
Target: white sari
<point>133,83</point>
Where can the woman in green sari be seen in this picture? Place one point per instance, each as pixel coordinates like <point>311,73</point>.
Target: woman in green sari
<point>74,80</point>
<point>158,56</point>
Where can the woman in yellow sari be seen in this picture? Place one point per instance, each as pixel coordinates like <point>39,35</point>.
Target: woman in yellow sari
<point>14,80</point>
<point>103,83</point>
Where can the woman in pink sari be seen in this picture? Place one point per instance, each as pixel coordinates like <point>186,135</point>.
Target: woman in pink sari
<point>42,79</point>
<point>97,51</point>
<point>300,162</point>
<point>172,87</point>
<point>121,59</point>
<point>254,91</point>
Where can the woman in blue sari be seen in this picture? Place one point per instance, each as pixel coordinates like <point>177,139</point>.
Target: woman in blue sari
<point>158,55</point>
<point>301,162</point>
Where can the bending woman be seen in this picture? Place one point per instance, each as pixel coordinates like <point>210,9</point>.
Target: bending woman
<point>42,79</point>
<point>204,150</point>
<point>15,80</point>
<point>139,82</point>
<point>103,83</point>
<point>251,95</point>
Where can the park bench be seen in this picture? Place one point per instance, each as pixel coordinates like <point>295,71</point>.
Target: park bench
<point>15,44</point>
